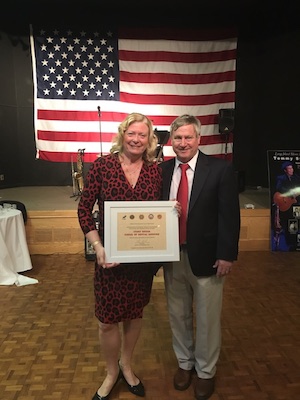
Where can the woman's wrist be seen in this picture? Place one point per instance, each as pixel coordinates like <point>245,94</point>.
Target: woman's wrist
<point>95,243</point>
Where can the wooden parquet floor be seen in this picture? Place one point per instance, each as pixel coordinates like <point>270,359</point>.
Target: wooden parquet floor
<point>49,345</point>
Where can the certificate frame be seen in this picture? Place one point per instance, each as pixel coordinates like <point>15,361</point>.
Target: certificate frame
<point>141,231</point>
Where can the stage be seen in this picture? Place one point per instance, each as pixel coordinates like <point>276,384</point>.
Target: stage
<point>52,225</point>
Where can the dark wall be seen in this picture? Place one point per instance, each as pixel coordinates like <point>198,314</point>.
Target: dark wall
<point>18,161</point>
<point>267,93</point>
<point>267,88</point>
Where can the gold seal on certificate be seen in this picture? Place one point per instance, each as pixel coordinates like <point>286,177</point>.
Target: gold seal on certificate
<point>141,231</point>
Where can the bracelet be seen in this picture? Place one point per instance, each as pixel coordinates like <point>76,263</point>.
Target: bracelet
<point>95,242</point>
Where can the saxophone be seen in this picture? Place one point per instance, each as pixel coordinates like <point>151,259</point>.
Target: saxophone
<point>77,176</point>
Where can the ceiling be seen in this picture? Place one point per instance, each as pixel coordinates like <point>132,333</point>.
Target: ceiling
<point>252,14</point>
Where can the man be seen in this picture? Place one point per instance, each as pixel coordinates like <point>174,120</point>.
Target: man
<point>289,182</point>
<point>206,256</point>
<point>286,196</point>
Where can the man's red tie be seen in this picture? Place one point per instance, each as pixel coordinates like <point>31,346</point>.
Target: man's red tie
<point>182,197</point>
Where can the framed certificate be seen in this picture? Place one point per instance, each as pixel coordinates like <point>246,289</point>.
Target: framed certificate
<point>141,231</point>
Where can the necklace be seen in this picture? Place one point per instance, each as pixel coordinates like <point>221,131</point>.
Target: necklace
<point>131,171</point>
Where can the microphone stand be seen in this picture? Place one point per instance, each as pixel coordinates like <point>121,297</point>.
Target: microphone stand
<point>100,136</point>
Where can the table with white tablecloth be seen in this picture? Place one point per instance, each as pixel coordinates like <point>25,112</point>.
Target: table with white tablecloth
<point>14,253</point>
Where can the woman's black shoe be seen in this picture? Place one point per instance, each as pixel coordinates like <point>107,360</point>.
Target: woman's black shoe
<point>98,397</point>
<point>138,389</point>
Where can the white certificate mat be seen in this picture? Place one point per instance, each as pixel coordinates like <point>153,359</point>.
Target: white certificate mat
<point>141,231</point>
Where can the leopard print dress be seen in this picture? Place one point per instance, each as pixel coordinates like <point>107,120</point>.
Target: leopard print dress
<point>121,293</point>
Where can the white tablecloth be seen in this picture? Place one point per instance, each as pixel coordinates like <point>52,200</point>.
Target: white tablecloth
<point>14,254</point>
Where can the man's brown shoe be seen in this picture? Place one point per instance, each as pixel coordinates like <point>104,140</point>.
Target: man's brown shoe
<point>204,388</point>
<point>182,379</point>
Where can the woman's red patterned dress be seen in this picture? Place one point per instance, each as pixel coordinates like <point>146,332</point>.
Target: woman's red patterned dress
<point>122,292</point>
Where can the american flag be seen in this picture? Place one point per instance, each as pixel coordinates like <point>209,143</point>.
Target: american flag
<point>86,80</point>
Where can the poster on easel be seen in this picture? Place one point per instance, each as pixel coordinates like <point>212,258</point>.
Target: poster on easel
<point>284,184</point>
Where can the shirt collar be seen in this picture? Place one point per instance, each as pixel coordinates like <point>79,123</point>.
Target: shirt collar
<point>192,162</point>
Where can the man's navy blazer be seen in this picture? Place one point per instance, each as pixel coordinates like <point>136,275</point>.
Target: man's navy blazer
<point>213,223</point>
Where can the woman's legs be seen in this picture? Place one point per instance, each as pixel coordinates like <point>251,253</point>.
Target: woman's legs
<point>110,340</point>
<point>131,334</point>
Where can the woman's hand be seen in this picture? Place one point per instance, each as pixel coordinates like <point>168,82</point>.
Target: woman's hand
<point>101,257</point>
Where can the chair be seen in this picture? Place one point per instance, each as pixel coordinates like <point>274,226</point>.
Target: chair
<point>18,205</point>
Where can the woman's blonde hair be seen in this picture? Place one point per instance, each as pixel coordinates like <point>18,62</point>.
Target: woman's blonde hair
<point>117,143</point>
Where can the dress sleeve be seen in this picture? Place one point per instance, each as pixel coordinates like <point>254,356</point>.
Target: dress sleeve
<point>89,197</point>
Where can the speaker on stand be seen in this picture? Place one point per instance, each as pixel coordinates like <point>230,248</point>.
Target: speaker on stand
<point>226,124</point>
<point>163,137</point>
<point>226,127</point>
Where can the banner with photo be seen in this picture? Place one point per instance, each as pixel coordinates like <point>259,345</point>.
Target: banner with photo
<point>284,184</point>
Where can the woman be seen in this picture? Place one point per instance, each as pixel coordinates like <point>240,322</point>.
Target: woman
<point>121,290</point>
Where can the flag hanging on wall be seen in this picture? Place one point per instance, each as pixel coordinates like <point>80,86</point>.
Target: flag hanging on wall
<point>86,80</point>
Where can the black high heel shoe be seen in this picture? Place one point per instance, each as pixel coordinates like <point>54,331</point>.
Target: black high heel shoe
<point>138,390</point>
<point>98,397</point>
